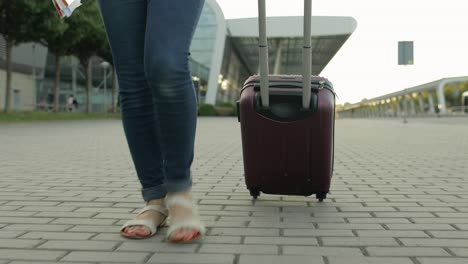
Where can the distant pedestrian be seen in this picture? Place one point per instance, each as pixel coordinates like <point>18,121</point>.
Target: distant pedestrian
<point>70,103</point>
<point>75,104</point>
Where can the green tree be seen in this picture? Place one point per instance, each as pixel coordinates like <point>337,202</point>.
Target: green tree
<point>55,35</point>
<point>86,24</point>
<point>15,27</point>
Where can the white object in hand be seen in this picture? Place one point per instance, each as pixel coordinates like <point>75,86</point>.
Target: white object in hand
<point>65,8</point>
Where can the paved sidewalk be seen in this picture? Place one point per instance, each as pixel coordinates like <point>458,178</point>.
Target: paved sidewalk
<point>399,195</point>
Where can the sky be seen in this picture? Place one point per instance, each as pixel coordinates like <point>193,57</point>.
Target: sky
<point>367,64</point>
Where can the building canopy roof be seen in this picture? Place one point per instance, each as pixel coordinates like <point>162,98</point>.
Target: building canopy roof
<point>286,33</point>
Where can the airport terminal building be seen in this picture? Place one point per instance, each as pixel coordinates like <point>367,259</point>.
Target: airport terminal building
<point>223,54</point>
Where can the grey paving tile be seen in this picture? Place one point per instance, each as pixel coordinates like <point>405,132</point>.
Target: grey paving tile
<point>36,227</point>
<point>48,262</point>
<point>10,234</point>
<point>248,259</point>
<point>407,251</point>
<point>442,260</point>
<point>383,194</point>
<point>460,252</point>
<point>359,241</point>
<point>127,257</point>
<point>83,221</point>
<point>431,242</point>
<point>18,243</point>
<point>152,246</point>
<point>369,260</point>
<point>245,231</point>
<point>440,220</point>
<point>57,235</point>
<point>17,213</point>
<point>379,220</point>
<point>198,258</point>
<point>449,234</point>
<point>29,254</point>
<point>56,214</point>
<point>322,251</point>
<point>420,227</point>
<point>462,226</point>
<point>350,226</point>
<point>389,233</point>
<point>79,245</point>
<point>25,220</point>
<point>270,224</point>
<point>239,249</point>
<point>95,228</point>
<point>47,208</point>
<point>281,240</point>
<point>317,233</point>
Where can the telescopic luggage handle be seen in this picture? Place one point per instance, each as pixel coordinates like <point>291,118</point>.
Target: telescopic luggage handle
<point>307,55</point>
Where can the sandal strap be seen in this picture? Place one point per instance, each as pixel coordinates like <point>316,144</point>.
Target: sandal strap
<point>141,222</point>
<point>194,223</point>
<point>157,208</point>
<point>179,200</point>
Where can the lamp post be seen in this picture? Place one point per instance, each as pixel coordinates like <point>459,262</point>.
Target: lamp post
<point>105,65</point>
<point>405,57</point>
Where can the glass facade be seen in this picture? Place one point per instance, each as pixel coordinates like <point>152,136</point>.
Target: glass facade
<point>202,50</point>
<point>72,74</point>
<point>72,81</point>
<point>234,72</point>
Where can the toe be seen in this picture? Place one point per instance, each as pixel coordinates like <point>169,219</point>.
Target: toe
<point>128,232</point>
<point>190,235</point>
<point>177,236</point>
<point>142,232</point>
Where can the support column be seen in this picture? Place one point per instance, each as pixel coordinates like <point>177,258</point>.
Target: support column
<point>413,107</point>
<point>394,108</point>
<point>421,103</point>
<point>431,103</point>
<point>279,51</point>
<point>405,105</point>
<point>386,109</point>
<point>398,107</point>
<point>441,98</point>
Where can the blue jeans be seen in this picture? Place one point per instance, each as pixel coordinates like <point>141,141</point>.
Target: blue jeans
<point>150,42</point>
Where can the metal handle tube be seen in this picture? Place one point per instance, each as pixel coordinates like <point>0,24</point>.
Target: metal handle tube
<point>263,51</point>
<point>307,54</point>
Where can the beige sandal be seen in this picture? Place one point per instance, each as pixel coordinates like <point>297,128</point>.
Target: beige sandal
<point>193,223</point>
<point>146,222</point>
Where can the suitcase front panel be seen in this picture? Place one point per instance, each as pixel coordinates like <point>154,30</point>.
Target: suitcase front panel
<point>287,157</point>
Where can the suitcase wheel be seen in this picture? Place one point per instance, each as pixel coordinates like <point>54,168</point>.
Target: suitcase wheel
<point>255,193</point>
<point>321,196</point>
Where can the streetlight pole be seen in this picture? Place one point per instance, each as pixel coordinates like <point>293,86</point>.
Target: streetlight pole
<point>405,57</point>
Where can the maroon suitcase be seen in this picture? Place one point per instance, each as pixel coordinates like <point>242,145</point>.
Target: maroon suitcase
<point>288,141</point>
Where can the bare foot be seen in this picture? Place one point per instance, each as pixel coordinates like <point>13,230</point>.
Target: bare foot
<point>141,231</point>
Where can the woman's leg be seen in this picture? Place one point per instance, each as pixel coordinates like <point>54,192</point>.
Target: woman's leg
<point>169,32</point>
<point>125,22</point>
<point>170,28</point>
